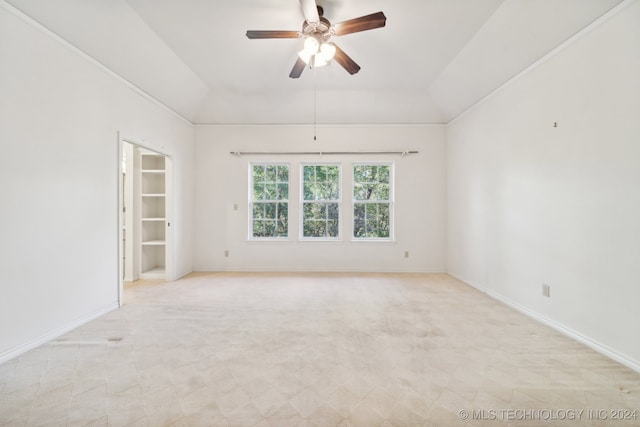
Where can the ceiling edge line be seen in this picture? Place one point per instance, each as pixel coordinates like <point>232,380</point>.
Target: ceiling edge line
<point>178,57</point>
<point>323,125</point>
<point>615,10</point>
<point>75,49</point>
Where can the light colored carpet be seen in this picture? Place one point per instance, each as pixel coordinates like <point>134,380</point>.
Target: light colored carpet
<point>231,349</point>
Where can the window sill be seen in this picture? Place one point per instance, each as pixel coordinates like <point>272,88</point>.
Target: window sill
<point>378,242</point>
<point>269,241</point>
<point>321,241</point>
<point>374,241</point>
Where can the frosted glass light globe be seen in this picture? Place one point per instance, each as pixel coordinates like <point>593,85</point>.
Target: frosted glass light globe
<point>311,45</point>
<point>328,50</point>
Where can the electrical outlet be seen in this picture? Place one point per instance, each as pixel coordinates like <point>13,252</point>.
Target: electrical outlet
<point>226,253</point>
<point>406,254</point>
<point>546,290</point>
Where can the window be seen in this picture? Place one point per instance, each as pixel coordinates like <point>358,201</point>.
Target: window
<point>321,201</point>
<point>372,189</point>
<point>269,201</point>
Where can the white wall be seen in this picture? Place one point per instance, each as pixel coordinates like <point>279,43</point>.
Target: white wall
<point>60,115</point>
<point>529,203</point>
<point>222,182</point>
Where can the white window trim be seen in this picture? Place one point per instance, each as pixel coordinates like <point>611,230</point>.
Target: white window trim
<point>391,238</point>
<point>250,202</point>
<point>301,236</point>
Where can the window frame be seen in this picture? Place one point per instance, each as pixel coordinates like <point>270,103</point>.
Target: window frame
<point>252,201</point>
<point>302,201</point>
<point>390,202</point>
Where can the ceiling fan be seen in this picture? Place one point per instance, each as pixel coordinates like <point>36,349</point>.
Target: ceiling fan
<point>317,32</point>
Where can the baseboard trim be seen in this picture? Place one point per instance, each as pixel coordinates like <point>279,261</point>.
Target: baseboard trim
<point>593,344</point>
<point>319,270</point>
<point>30,345</point>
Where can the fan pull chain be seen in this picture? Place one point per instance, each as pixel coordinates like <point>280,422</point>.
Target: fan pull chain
<point>315,104</point>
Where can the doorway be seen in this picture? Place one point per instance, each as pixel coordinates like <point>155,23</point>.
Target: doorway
<point>145,208</point>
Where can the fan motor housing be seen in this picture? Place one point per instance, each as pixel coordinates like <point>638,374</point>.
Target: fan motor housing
<point>316,29</point>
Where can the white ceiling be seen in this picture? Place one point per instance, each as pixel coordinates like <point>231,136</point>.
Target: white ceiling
<point>433,60</point>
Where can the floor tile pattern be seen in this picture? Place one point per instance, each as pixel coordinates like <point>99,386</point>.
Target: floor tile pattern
<point>232,349</point>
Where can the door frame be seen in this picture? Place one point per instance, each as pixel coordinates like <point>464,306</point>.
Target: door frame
<point>169,246</point>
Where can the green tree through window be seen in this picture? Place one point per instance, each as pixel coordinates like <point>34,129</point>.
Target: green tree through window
<point>321,201</point>
<point>270,201</point>
<point>372,201</point>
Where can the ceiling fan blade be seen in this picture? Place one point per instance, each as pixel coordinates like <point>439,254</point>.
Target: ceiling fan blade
<point>272,34</point>
<point>310,10</point>
<point>298,68</point>
<point>345,60</point>
<point>368,22</point>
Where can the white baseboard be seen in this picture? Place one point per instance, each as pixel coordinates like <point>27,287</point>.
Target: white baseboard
<point>595,345</point>
<point>318,270</point>
<point>30,345</point>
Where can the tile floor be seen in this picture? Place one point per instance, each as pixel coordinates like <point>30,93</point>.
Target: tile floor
<point>231,349</point>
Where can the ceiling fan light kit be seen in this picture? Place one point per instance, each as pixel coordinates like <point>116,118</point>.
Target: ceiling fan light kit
<point>317,31</point>
<point>315,54</point>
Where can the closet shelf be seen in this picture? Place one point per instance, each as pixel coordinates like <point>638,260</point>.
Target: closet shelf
<point>153,246</point>
<point>154,242</point>
<point>154,273</point>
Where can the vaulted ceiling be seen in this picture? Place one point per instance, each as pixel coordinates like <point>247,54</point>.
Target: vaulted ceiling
<point>433,60</point>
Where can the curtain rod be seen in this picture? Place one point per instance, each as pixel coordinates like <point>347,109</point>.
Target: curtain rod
<point>320,153</point>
